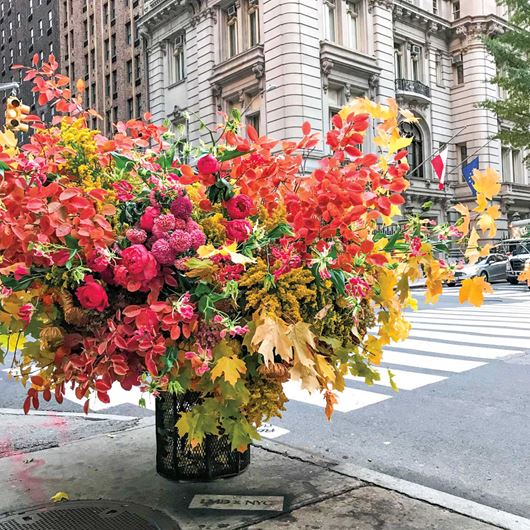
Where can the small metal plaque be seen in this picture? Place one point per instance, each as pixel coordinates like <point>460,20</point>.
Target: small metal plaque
<point>238,502</point>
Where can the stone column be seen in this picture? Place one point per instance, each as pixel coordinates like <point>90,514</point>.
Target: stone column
<point>156,60</point>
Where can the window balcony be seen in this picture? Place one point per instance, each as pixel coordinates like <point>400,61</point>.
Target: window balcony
<point>412,86</point>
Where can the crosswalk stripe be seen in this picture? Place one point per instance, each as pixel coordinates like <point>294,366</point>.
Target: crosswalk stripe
<point>403,379</point>
<point>117,395</point>
<point>456,325</point>
<point>458,350</point>
<point>443,364</point>
<point>348,400</point>
<point>481,342</point>
<point>508,317</point>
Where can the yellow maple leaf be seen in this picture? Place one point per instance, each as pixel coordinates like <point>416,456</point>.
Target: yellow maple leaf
<point>482,203</point>
<point>325,369</point>
<point>60,496</point>
<point>387,281</point>
<point>374,348</point>
<point>487,182</point>
<point>271,336</point>
<point>231,368</point>
<point>464,212</point>
<point>487,223</point>
<point>472,252</point>
<point>485,250</point>
<point>303,341</point>
<point>473,290</point>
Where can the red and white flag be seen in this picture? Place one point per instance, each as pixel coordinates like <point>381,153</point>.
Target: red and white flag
<point>439,164</point>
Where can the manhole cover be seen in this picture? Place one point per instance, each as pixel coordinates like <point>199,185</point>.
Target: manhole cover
<point>88,515</point>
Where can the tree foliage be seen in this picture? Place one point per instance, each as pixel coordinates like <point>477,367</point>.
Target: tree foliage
<point>511,52</point>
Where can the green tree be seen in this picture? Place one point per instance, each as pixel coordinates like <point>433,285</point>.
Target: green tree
<point>511,52</point>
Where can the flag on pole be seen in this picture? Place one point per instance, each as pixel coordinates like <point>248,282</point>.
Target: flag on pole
<point>439,164</point>
<point>467,172</point>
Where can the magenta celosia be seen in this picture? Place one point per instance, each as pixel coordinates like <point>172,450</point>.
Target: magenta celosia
<point>163,252</point>
<point>180,241</point>
<point>181,207</point>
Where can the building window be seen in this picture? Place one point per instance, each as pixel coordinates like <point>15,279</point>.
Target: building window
<point>41,29</point>
<point>416,58</point>
<point>128,33</point>
<point>107,85</point>
<point>114,83</point>
<point>108,122</point>
<point>398,61</point>
<point>130,108</point>
<point>253,119</point>
<point>177,60</point>
<point>439,66</point>
<point>19,48</point>
<point>416,153</point>
<point>18,20</point>
<point>113,45</point>
<point>517,167</point>
<point>456,9</point>
<point>106,49</point>
<point>129,71</point>
<point>253,23</point>
<point>112,9</point>
<point>138,67</point>
<point>138,105</point>
<point>353,24</point>
<point>435,6</point>
<point>93,59</point>
<point>50,19</point>
<point>330,20</point>
<point>506,165</point>
<point>232,28</point>
<point>458,67</point>
<point>461,156</point>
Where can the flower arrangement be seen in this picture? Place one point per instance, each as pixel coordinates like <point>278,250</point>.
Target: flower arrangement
<point>121,263</point>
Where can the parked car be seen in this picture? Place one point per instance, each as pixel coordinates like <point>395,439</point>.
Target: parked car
<point>492,268</point>
<point>517,262</point>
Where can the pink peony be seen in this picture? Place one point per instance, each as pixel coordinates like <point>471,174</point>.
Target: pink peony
<point>136,235</point>
<point>208,164</point>
<point>163,252</point>
<point>92,295</point>
<point>238,230</point>
<point>148,218</point>
<point>136,268</point>
<point>181,207</point>
<point>239,207</point>
<point>197,239</point>
<point>180,241</point>
<point>97,261</point>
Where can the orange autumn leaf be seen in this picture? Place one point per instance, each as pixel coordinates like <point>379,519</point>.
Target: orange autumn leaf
<point>473,290</point>
<point>331,401</point>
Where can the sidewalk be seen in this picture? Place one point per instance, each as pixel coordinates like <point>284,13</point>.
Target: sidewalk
<point>315,493</point>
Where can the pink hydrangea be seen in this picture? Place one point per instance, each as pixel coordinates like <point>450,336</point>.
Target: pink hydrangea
<point>158,233</point>
<point>136,235</point>
<point>181,207</point>
<point>191,225</point>
<point>148,218</point>
<point>239,207</point>
<point>165,222</point>
<point>181,224</point>
<point>180,241</point>
<point>163,252</point>
<point>197,239</point>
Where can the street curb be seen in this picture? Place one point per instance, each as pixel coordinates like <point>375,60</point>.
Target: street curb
<point>450,502</point>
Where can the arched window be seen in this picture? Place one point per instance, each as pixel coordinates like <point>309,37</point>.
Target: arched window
<point>415,149</point>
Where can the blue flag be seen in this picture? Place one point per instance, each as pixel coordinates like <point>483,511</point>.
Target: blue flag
<point>467,171</point>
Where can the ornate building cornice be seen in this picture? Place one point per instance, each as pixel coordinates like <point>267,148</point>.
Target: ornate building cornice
<point>387,4</point>
<point>410,14</point>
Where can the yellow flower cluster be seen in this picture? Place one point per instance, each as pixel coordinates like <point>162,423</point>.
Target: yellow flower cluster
<point>271,220</point>
<point>267,400</point>
<point>214,229</point>
<point>291,297</point>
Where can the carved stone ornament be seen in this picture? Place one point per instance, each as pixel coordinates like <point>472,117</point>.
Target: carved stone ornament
<point>387,4</point>
<point>217,90</point>
<point>326,65</point>
<point>258,70</point>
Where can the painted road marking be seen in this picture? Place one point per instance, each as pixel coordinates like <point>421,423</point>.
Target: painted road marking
<point>403,379</point>
<point>454,336</point>
<point>484,331</point>
<point>348,400</point>
<point>267,430</point>
<point>272,503</point>
<point>444,364</point>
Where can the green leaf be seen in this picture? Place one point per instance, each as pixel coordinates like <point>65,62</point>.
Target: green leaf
<point>122,162</point>
<point>392,382</point>
<point>241,433</point>
<point>234,153</point>
<point>283,229</point>
<point>337,278</point>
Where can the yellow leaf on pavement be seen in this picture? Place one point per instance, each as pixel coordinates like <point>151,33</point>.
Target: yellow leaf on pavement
<point>487,182</point>
<point>231,368</point>
<point>60,496</point>
<point>473,290</point>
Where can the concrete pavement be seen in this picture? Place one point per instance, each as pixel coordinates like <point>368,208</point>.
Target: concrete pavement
<point>317,493</point>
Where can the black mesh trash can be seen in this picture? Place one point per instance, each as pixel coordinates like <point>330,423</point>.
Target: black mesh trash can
<point>177,460</point>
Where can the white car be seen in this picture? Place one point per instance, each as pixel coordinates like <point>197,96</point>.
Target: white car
<point>492,268</point>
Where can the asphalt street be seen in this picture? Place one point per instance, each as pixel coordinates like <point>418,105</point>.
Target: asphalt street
<point>459,424</point>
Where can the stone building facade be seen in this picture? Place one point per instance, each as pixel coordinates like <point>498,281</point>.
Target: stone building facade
<point>286,61</point>
<point>27,28</point>
<point>100,44</point>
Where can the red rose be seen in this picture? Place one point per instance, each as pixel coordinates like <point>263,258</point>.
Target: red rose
<point>208,164</point>
<point>238,230</point>
<point>148,218</point>
<point>239,207</point>
<point>92,295</point>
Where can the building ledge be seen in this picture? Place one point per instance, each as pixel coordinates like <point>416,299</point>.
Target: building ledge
<point>512,190</point>
<point>249,62</point>
<point>414,92</point>
<point>347,59</point>
<point>158,12</point>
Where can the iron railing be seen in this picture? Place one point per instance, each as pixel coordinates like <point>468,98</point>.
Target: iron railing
<point>412,85</point>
